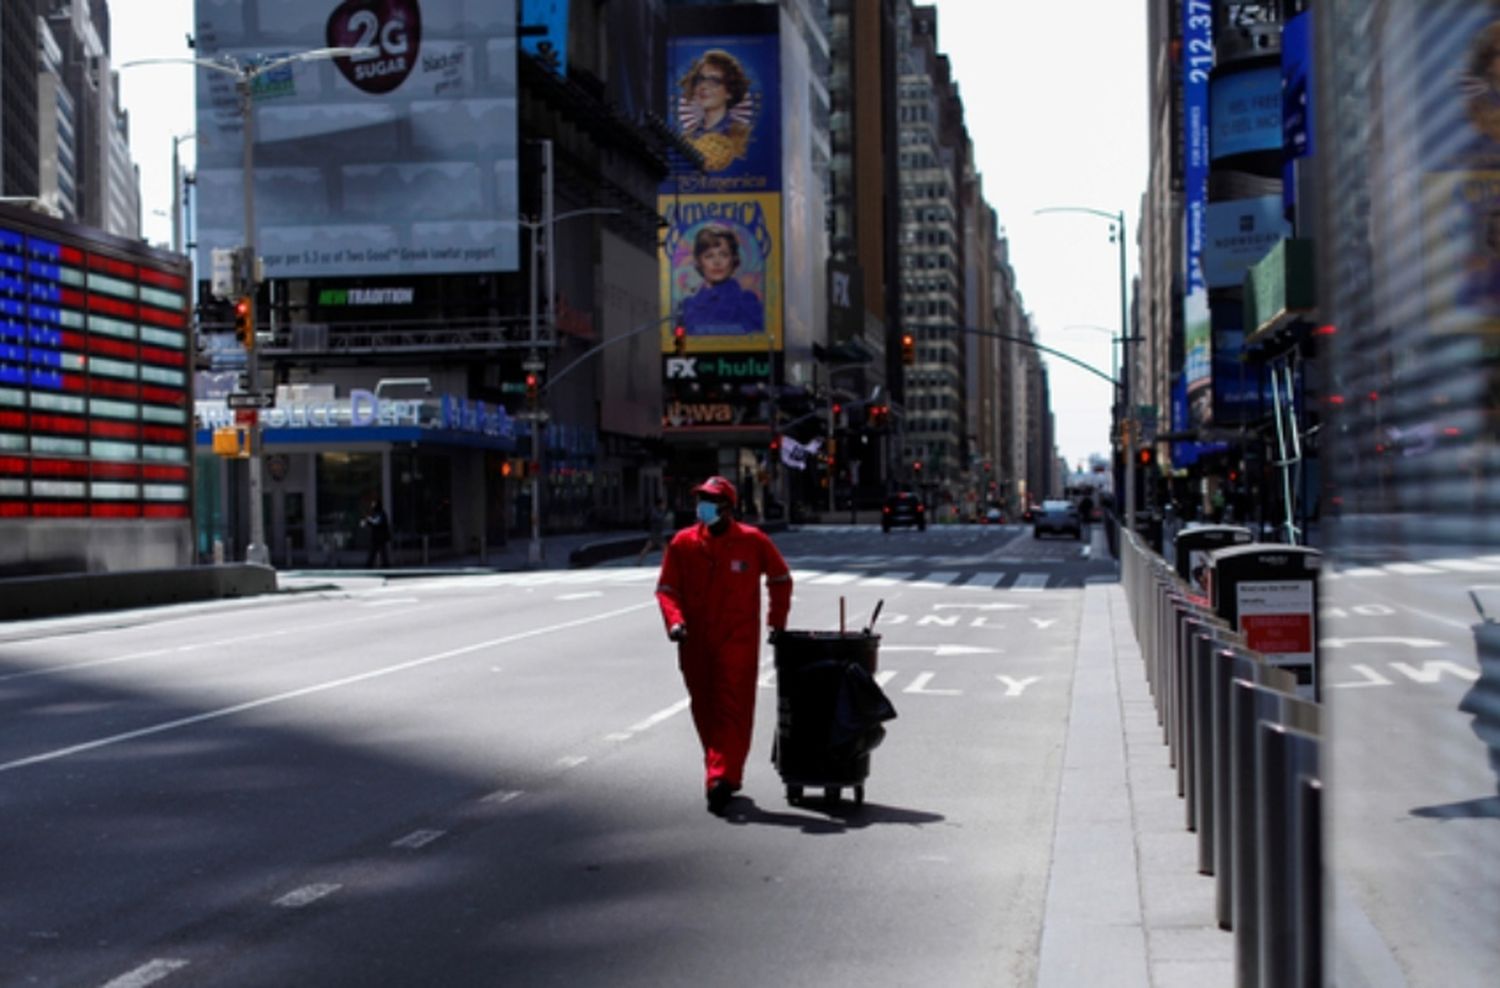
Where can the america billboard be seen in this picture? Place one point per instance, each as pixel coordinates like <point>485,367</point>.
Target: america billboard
<point>722,269</point>
<point>400,162</point>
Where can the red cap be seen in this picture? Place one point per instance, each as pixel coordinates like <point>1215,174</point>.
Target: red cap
<point>718,487</point>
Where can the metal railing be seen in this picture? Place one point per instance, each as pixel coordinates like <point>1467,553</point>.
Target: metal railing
<point>1246,751</point>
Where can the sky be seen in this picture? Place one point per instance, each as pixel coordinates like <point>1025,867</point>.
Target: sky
<point>1055,100</point>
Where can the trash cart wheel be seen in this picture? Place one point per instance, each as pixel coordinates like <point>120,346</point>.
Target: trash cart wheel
<point>859,795</point>
<point>794,794</point>
<point>832,793</point>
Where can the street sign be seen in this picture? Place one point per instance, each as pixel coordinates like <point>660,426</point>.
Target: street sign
<point>249,399</point>
<point>246,416</point>
<point>533,365</point>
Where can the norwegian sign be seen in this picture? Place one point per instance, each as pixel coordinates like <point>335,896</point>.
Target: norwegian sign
<point>249,399</point>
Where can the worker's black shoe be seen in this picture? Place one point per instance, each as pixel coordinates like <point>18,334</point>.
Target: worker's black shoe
<point>719,795</point>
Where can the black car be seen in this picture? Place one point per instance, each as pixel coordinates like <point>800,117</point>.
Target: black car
<point>1057,517</point>
<point>904,508</point>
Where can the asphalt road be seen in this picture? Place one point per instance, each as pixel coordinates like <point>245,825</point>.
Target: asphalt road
<point>492,780</point>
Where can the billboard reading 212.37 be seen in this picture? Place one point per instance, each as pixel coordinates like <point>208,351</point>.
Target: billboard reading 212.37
<point>399,162</point>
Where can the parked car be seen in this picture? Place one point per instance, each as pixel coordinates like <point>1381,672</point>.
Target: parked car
<point>1057,518</point>
<point>994,516</point>
<point>903,508</point>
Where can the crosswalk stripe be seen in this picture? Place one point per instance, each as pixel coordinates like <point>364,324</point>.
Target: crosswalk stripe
<point>982,581</point>
<point>1030,581</point>
<point>1465,565</point>
<point>939,579</point>
<point>1411,569</point>
<point>833,579</point>
<point>885,579</point>
<point>1363,571</point>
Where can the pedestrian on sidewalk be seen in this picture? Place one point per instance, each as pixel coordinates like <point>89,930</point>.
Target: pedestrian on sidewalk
<point>379,524</point>
<point>709,592</point>
<point>657,524</point>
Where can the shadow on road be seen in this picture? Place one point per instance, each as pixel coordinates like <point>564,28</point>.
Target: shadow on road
<point>836,818</point>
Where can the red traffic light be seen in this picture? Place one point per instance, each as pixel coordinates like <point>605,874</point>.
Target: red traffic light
<point>679,340</point>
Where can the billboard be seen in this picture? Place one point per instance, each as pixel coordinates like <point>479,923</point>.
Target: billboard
<point>1238,233</point>
<point>1246,112</point>
<point>725,99</point>
<point>94,386</point>
<point>721,269</point>
<point>1197,33</point>
<point>400,163</point>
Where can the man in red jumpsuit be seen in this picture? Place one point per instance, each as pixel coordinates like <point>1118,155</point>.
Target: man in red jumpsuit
<point>709,591</point>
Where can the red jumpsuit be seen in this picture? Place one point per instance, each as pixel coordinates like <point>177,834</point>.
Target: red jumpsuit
<point>711,585</point>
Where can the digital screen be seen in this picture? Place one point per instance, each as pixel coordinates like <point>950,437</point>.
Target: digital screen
<point>94,382</point>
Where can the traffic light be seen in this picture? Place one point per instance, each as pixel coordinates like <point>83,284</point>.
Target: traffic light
<point>244,321</point>
<point>1145,456</point>
<point>679,341</point>
<point>533,390</point>
<point>916,468</point>
<point>908,349</point>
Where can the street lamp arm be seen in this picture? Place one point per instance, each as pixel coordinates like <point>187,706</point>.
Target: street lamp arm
<point>1118,217</point>
<point>591,351</point>
<point>241,70</point>
<point>991,334</point>
<point>589,211</point>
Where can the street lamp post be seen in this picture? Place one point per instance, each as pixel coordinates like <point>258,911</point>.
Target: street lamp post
<point>535,363</point>
<point>1125,385</point>
<point>177,191</point>
<point>244,76</point>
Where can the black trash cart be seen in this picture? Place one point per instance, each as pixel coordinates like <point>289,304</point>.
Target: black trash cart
<point>829,711</point>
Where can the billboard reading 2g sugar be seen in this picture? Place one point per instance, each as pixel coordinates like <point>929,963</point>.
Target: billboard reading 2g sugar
<point>401,162</point>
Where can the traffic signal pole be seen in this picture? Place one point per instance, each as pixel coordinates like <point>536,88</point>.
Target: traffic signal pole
<point>256,551</point>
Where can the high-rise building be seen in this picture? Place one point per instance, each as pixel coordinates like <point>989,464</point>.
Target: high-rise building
<point>19,153</point>
<point>933,152</point>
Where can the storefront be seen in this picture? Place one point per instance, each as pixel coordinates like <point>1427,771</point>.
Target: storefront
<point>443,468</point>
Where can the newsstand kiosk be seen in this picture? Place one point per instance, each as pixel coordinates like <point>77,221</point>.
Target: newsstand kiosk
<point>1269,593</point>
<point>1193,546</point>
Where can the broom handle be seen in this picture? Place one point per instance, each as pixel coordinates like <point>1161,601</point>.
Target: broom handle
<point>841,615</point>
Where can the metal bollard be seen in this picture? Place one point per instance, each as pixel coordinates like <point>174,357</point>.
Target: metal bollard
<point>1198,628</point>
<point>1227,666</point>
<point>1307,810</point>
<point>1206,646</point>
<point>1250,704</point>
<point>1284,759</point>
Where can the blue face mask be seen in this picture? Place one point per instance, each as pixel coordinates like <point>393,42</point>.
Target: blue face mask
<point>708,512</point>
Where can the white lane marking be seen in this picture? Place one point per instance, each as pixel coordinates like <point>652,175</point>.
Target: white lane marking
<point>885,579</point>
<point>1365,571</point>
<point>265,701</point>
<point>217,643</point>
<point>1381,640</point>
<point>919,685</point>
<point>1371,678</point>
<point>659,716</point>
<point>572,761</point>
<point>984,581</point>
<point>386,601</point>
<point>985,607</point>
<point>417,839</point>
<point>1030,581</point>
<point>1015,687</point>
<point>147,974</point>
<point>884,676</point>
<point>307,894</point>
<point>834,579</point>
<point>584,595</point>
<point>939,579</point>
<point>1042,624</point>
<point>942,649</point>
<point>1411,569</point>
<point>502,796</point>
<point>1465,565</point>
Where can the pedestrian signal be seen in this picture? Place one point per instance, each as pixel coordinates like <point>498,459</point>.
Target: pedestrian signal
<point>244,321</point>
<point>908,349</point>
<point>533,390</point>
<point>1145,457</point>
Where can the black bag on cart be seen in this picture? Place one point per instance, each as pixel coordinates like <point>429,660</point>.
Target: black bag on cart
<point>830,711</point>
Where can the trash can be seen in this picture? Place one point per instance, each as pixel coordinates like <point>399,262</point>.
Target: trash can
<point>1194,543</point>
<point>829,711</point>
<point>1269,593</point>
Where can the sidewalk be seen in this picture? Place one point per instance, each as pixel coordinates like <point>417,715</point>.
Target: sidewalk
<point>1125,903</point>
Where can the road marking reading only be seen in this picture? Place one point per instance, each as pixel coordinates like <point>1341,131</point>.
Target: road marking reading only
<point>148,973</point>
<point>265,701</point>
